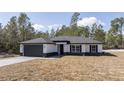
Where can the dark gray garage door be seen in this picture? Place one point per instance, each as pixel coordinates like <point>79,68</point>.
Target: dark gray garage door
<point>33,50</point>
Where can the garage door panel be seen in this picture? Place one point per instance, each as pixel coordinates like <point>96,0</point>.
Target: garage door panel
<point>33,50</point>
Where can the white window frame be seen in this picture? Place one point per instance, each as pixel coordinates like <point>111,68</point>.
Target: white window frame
<point>75,48</point>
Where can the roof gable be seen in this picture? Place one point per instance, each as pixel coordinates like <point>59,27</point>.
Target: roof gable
<point>38,40</point>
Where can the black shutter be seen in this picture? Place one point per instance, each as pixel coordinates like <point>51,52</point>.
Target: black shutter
<point>80,48</point>
<point>90,48</point>
<point>70,48</point>
<point>96,48</point>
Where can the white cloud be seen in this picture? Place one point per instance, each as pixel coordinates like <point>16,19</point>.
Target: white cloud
<point>54,26</point>
<point>89,21</point>
<point>38,27</point>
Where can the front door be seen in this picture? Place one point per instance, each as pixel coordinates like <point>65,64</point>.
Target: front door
<point>93,49</point>
<point>61,49</point>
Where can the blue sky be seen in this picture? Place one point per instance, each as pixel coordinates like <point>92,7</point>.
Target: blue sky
<point>48,20</point>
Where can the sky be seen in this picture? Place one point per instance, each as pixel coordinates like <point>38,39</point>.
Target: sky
<point>48,20</point>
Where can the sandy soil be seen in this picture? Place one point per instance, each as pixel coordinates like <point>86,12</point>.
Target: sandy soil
<point>106,67</point>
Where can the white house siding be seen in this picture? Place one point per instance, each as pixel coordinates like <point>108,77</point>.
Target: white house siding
<point>66,48</point>
<point>21,48</point>
<point>49,48</point>
<point>100,48</point>
<point>83,48</point>
<point>87,48</point>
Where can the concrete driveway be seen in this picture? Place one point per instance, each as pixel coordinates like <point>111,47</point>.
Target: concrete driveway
<point>114,50</point>
<point>13,60</point>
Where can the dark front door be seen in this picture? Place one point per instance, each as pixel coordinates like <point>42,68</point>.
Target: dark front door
<point>61,49</point>
<point>33,50</point>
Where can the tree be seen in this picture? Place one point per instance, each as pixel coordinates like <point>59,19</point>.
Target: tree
<point>93,29</point>
<point>74,19</point>
<point>52,33</point>
<point>42,34</point>
<point>1,36</point>
<point>25,27</point>
<point>30,31</point>
<point>11,35</point>
<point>73,29</point>
<point>83,31</point>
<point>99,34</point>
<point>113,39</point>
<point>110,39</point>
<point>15,31</point>
<point>61,31</point>
<point>118,24</point>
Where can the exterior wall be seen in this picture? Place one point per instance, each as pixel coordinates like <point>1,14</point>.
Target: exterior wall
<point>100,48</point>
<point>21,48</point>
<point>83,48</point>
<point>49,48</point>
<point>52,48</point>
<point>87,48</point>
<point>66,48</point>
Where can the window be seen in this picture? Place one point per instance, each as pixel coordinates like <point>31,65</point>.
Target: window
<point>93,48</point>
<point>72,48</point>
<point>75,48</point>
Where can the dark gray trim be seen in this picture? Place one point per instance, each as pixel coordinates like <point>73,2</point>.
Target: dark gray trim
<point>86,43</point>
<point>49,54</point>
<point>61,41</point>
<point>36,43</point>
<point>68,42</point>
<point>84,53</point>
<point>32,44</point>
<point>70,53</point>
<point>93,54</point>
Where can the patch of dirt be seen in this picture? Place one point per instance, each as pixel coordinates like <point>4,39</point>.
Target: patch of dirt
<point>7,55</point>
<point>68,68</point>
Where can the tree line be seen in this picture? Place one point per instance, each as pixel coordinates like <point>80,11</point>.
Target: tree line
<point>20,28</point>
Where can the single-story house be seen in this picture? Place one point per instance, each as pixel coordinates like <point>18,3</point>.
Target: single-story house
<point>60,45</point>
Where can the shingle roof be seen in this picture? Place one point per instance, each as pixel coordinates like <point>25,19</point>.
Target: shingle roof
<point>75,39</point>
<point>38,40</point>
<point>71,39</point>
